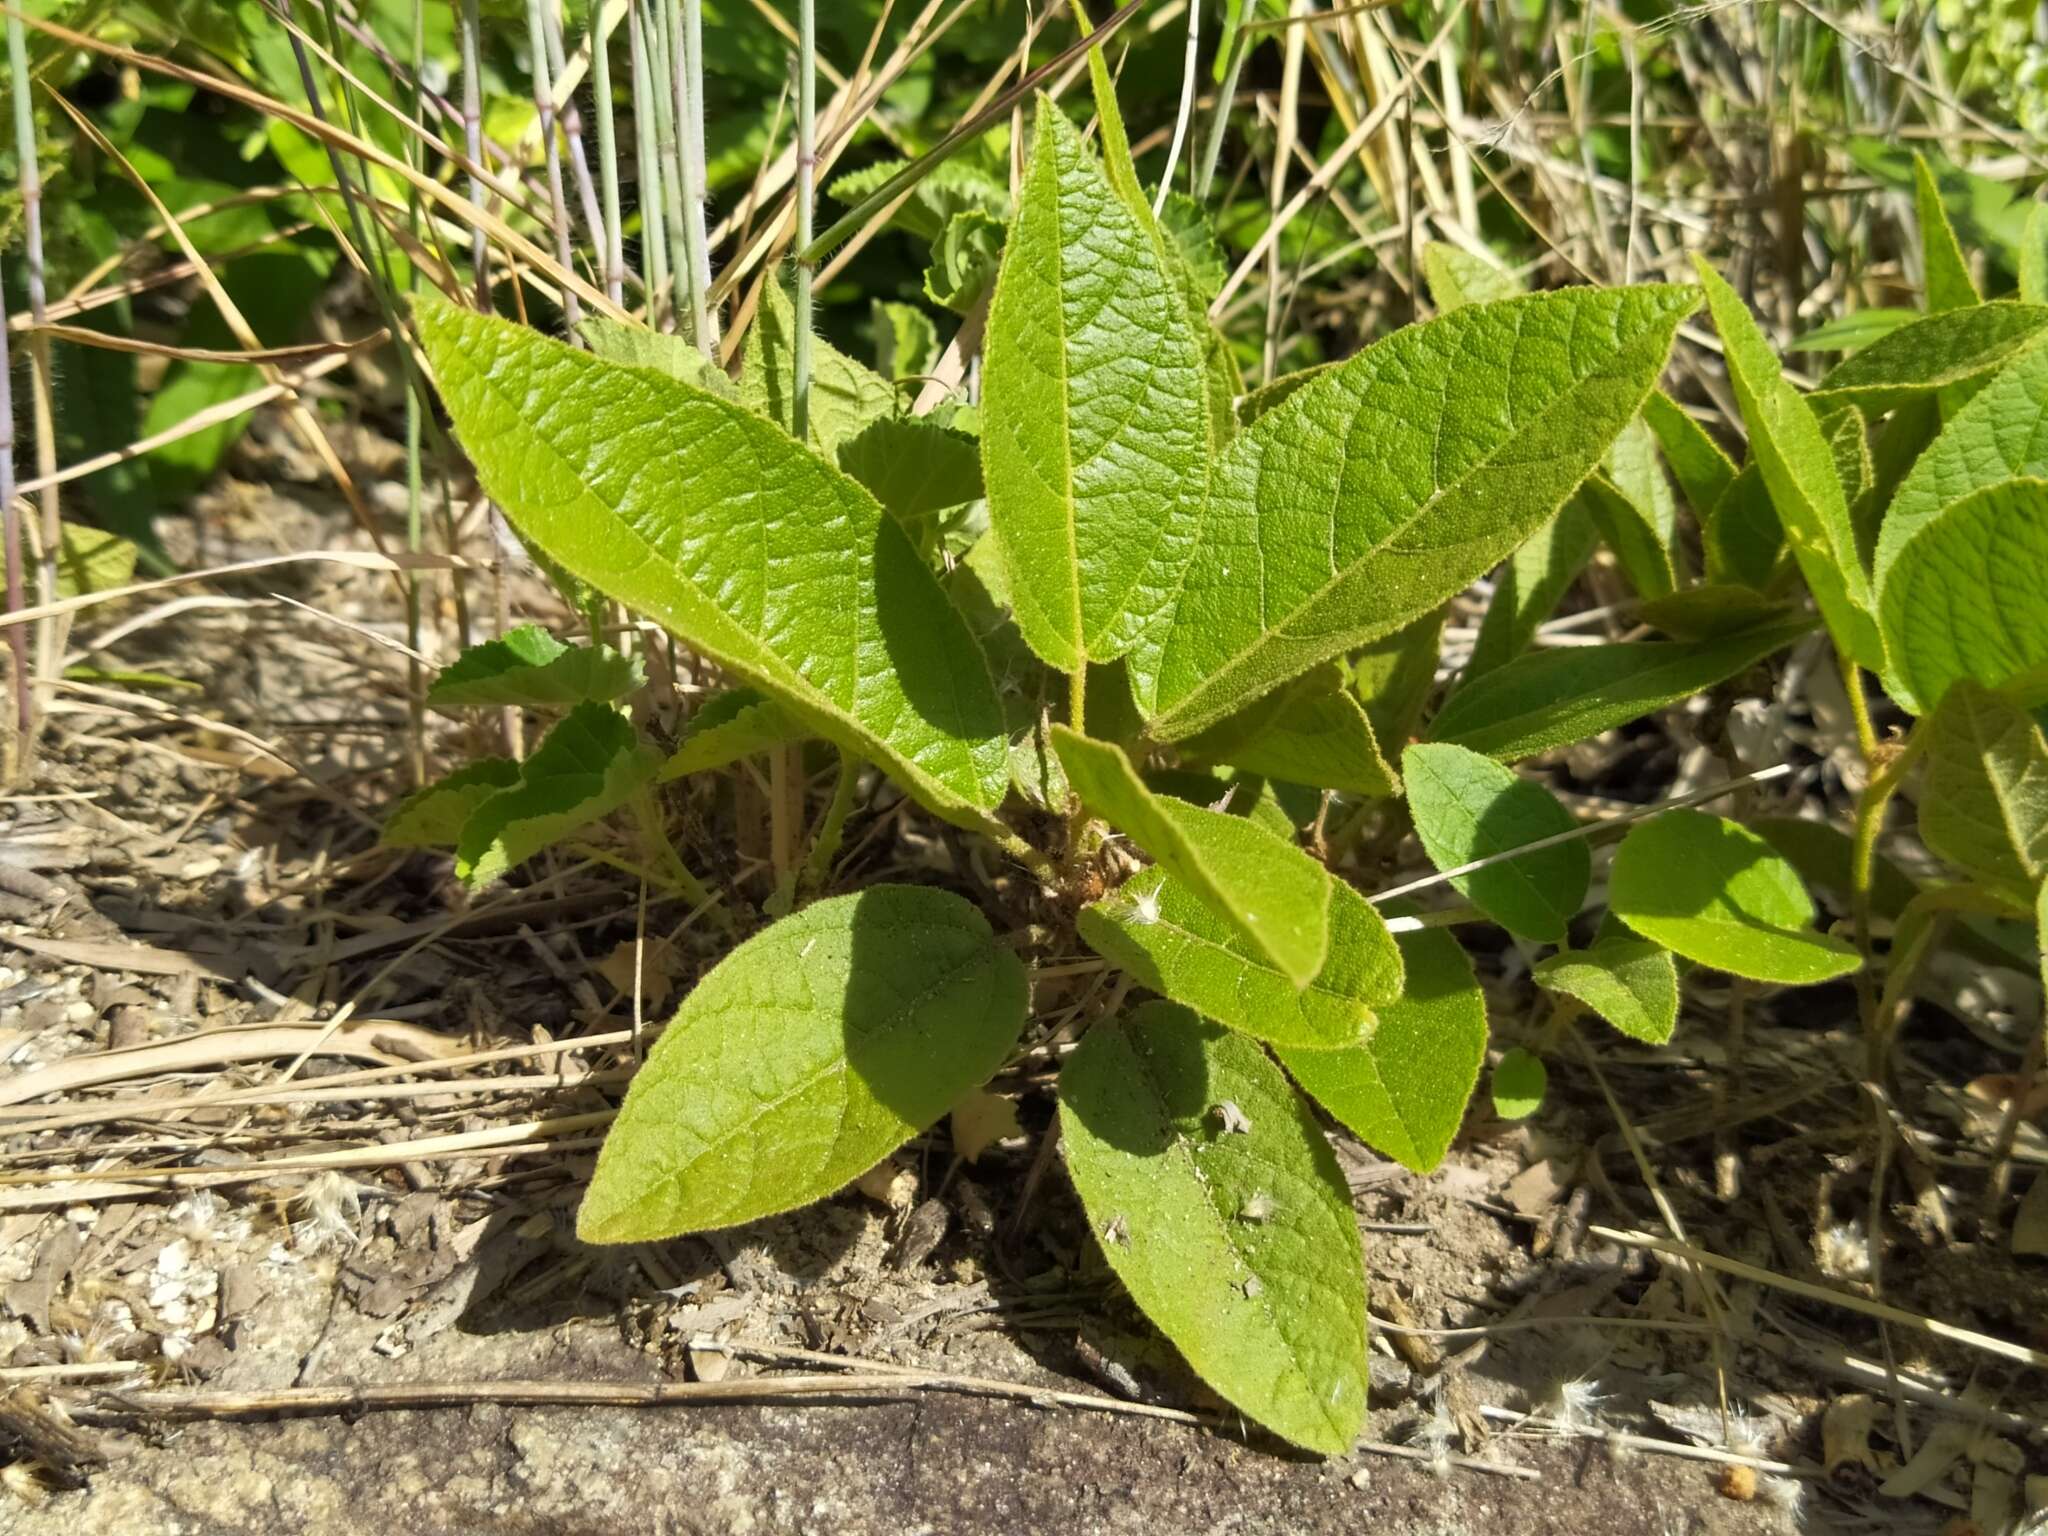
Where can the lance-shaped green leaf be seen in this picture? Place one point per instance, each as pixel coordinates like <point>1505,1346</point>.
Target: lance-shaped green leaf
<point>701,515</point>
<point>1949,284</point>
<point>1551,698</point>
<point>1743,537</point>
<point>434,817</point>
<point>1720,895</point>
<point>1094,436</point>
<point>640,346</point>
<point>1630,983</point>
<point>1849,442</point>
<point>1853,332</point>
<point>1528,588</point>
<point>1966,598</point>
<point>1932,355</point>
<point>529,668</point>
<point>1312,732</point>
<point>1716,609</point>
<point>803,1058</point>
<point>1704,472</point>
<point>585,768</point>
<point>1645,513</point>
<point>2002,434</point>
<point>1468,808</point>
<point>1222,1209</point>
<point>1984,801</point>
<point>1791,453</point>
<point>1170,940</point>
<point>1266,396</point>
<point>740,722</point>
<point>1628,532</point>
<point>1272,894</point>
<point>846,396</point>
<point>1457,278</point>
<point>1383,488</point>
<point>1403,1090</point>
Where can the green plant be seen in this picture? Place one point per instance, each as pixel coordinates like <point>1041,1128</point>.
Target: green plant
<point>1190,618</point>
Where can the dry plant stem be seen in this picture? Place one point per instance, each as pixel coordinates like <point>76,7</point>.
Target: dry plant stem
<point>10,510</point>
<point>607,151</point>
<point>2000,1177</point>
<point>1219,117</point>
<point>49,637</point>
<point>472,143</point>
<point>570,117</point>
<point>1187,106</point>
<point>544,104</point>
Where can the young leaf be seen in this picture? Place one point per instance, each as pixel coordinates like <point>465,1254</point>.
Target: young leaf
<point>846,396</point>
<point>1394,674</point>
<point>1174,943</point>
<point>530,668</point>
<point>1468,808</point>
<point>1273,895</point>
<point>1853,332</point>
<point>1457,278</point>
<point>1550,698</point>
<point>2001,434</point>
<point>1791,453</point>
<point>434,817</point>
<point>803,1058</point>
<point>1312,732</point>
<point>1721,896</point>
<point>916,470</point>
<point>1703,471</point>
<point>1519,1082</point>
<point>1222,1209</point>
<point>640,346</point>
<point>1984,803</point>
<point>1949,284</point>
<point>1094,441</point>
<point>1743,537</point>
<point>1967,598</point>
<point>1932,355</point>
<point>588,766</point>
<point>1383,488</point>
<point>965,259</point>
<point>1631,984</point>
<point>698,513</point>
<point>1528,588</point>
<point>1403,1090</point>
<point>728,726</point>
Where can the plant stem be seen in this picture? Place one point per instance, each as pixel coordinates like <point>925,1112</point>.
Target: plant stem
<point>49,646</point>
<point>687,55</point>
<point>646,114</point>
<point>648,814</point>
<point>544,104</point>
<point>607,152</point>
<point>832,830</point>
<point>1870,809</point>
<point>1187,107</point>
<point>1859,706</point>
<point>473,148</point>
<point>1219,118</point>
<point>10,512</point>
<point>806,200</point>
<point>663,69</point>
<point>570,116</point>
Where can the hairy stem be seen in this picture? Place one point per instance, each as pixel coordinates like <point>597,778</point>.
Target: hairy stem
<point>544,104</point>
<point>646,114</point>
<point>607,151</point>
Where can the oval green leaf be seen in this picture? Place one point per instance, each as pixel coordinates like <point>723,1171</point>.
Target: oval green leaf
<point>1386,486</point>
<point>1467,808</point>
<point>1721,896</point>
<point>1519,1082</point>
<point>1222,1209</point>
<point>698,513</point>
<point>1403,1090</point>
<point>529,668</point>
<point>1630,983</point>
<point>802,1059</point>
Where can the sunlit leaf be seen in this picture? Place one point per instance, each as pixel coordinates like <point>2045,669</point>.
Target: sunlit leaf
<point>529,668</point>
<point>1467,808</point>
<point>1630,983</point>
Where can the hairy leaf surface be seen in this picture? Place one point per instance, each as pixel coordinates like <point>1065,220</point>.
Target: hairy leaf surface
<point>1094,437</point>
<point>1550,698</point>
<point>1222,1209</point>
<point>530,668</point>
<point>804,1057</point>
<point>1704,472</point>
<point>1384,487</point>
<point>740,722</point>
<point>1631,983</point>
<point>434,817</point>
<point>1172,941</point>
<point>1949,284</point>
<point>1528,588</point>
<point>1457,278</point>
<point>1967,598</point>
<point>586,767</point>
<point>1720,895</point>
<point>847,396</point>
<point>1984,802</point>
<point>1520,1081</point>
<point>1313,732</point>
<point>696,512</point>
<point>1932,355</point>
<point>1792,455</point>
<point>1468,807</point>
<point>1403,1090</point>
<point>1272,894</point>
